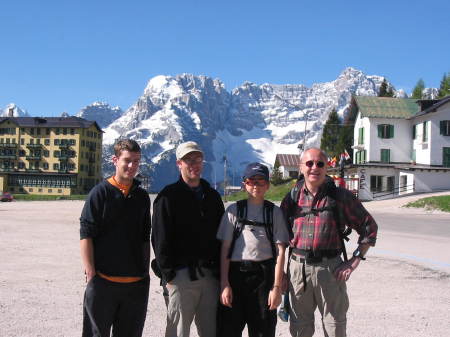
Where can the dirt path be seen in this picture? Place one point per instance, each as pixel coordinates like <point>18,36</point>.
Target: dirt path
<point>42,284</point>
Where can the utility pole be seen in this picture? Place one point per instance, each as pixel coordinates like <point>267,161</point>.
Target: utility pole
<point>225,178</point>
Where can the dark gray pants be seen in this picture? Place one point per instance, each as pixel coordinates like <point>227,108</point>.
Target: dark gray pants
<point>120,305</point>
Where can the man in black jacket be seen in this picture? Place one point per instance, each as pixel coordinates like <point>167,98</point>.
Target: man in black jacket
<point>115,250</point>
<point>186,217</point>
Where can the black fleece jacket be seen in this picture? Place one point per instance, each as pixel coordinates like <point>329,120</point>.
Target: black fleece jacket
<point>184,227</point>
<point>119,227</point>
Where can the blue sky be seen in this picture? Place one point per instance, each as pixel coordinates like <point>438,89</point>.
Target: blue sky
<point>62,55</point>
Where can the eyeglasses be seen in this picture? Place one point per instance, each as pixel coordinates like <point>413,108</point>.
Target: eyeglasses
<point>310,163</point>
<point>255,182</point>
<point>193,161</point>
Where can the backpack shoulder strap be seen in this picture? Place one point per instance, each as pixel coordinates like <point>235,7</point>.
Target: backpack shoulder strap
<point>241,214</point>
<point>268,221</point>
<point>343,230</point>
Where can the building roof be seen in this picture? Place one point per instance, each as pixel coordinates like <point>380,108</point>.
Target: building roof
<point>434,107</point>
<point>69,122</point>
<point>288,159</point>
<point>386,107</point>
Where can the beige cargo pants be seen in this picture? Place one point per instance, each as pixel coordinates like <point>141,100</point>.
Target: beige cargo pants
<point>192,300</point>
<point>324,292</point>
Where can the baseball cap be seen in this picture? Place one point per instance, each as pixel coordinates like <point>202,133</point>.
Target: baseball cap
<point>256,169</point>
<point>186,148</point>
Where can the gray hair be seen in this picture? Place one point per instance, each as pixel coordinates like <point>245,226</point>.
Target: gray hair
<point>323,154</point>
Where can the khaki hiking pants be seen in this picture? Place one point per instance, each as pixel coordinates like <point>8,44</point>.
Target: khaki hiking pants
<point>192,300</point>
<point>324,292</point>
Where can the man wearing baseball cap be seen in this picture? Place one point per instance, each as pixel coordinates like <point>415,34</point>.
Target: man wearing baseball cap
<point>186,217</point>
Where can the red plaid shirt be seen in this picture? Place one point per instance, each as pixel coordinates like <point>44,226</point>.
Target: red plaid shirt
<point>319,231</point>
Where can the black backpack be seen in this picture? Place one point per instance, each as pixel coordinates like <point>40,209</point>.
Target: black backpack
<point>241,221</point>
<point>331,190</point>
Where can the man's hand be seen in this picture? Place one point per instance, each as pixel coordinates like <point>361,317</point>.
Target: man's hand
<point>345,269</point>
<point>274,298</point>
<point>90,273</point>
<point>226,297</point>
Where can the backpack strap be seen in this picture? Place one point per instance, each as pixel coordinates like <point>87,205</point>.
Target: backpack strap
<point>241,221</point>
<point>268,220</point>
<point>239,224</point>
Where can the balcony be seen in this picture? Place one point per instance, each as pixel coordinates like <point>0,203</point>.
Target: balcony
<point>64,146</point>
<point>34,146</point>
<point>7,169</point>
<point>33,157</point>
<point>32,170</point>
<point>8,156</point>
<point>8,145</point>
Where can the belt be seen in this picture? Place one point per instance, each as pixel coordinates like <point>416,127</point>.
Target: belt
<point>251,266</point>
<point>313,257</point>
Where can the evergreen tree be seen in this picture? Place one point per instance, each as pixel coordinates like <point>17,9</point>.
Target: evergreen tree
<point>276,178</point>
<point>330,135</point>
<point>345,141</point>
<point>386,90</point>
<point>444,88</point>
<point>418,89</point>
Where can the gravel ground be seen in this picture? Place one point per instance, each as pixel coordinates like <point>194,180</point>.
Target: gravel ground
<point>42,282</point>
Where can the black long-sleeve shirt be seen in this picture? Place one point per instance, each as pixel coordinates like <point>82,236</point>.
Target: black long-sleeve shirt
<point>119,227</point>
<point>185,226</point>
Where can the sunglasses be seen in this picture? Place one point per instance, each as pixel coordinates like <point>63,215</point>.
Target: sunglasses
<point>193,161</point>
<point>310,163</point>
<point>255,182</point>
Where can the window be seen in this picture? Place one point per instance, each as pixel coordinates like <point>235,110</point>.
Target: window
<point>72,131</point>
<point>57,131</point>
<point>361,157</point>
<point>361,136</point>
<point>425,132</point>
<point>45,166</point>
<point>56,166</point>
<point>38,141</point>
<point>446,156</point>
<point>46,153</point>
<point>32,131</point>
<point>22,141</point>
<point>385,131</point>
<point>72,142</point>
<point>64,131</point>
<point>445,128</point>
<point>21,153</point>
<point>21,165</point>
<point>385,156</point>
<point>49,190</point>
<point>56,142</point>
<point>390,183</point>
<point>47,131</point>
<point>375,183</point>
<point>56,154</point>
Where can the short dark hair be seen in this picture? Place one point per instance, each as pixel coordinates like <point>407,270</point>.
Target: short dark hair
<point>126,145</point>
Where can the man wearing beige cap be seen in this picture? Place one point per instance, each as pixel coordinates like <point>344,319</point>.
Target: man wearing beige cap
<point>186,217</point>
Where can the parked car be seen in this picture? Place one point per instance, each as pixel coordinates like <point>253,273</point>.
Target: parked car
<point>6,196</point>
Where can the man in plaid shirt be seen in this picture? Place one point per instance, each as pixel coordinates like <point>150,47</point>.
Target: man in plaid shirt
<point>318,212</point>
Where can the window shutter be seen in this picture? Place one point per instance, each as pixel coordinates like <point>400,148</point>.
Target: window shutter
<point>391,131</point>
<point>380,130</point>
<point>414,132</point>
<point>442,127</point>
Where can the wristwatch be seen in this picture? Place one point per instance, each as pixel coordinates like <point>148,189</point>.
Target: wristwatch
<point>357,253</point>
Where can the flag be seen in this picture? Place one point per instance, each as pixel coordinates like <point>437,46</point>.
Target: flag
<point>332,162</point>
<point>346,155</point>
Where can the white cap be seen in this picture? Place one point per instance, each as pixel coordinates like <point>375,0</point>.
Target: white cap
<point>186,148</point>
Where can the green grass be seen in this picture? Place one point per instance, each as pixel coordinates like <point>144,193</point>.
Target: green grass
<point>275,193</point>
<point>441,203</point>
<point>36,197</point>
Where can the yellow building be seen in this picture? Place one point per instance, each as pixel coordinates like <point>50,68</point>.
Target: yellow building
<point>52,155</point>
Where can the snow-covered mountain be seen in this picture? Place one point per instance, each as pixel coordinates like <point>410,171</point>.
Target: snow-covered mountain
<point>101,112</point>
<point>17,112</point>
<point>251,123</point>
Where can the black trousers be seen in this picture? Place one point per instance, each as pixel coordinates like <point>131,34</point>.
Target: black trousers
<point>251,283</point>
<point>120,305</point>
